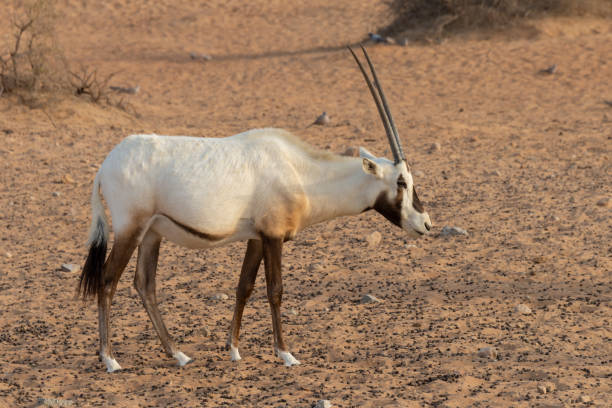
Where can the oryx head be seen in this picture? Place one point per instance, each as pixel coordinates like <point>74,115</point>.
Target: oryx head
<point>398,201</point>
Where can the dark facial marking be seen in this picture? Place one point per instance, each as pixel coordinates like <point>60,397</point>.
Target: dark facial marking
<point>391,210</point>
<point>416,203</point>
<point>401,183</point>
<point>202,235</point>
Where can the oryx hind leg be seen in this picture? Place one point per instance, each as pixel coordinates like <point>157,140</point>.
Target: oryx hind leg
<point>144,282</point>
<point>272,251</point>
<point>120,254</point>
<point>248,273</point>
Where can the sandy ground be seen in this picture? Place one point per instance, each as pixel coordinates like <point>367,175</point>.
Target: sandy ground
<point>524,160</point>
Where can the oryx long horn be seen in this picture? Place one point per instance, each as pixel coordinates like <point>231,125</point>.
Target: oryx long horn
<point>381,110</point>
<point>385,105</point>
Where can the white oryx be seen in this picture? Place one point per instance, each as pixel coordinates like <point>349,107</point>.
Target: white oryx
<point>263,186</point>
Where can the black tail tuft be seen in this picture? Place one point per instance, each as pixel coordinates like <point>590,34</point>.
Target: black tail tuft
<point>90,281</point>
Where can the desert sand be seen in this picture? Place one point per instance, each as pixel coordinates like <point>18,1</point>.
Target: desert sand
<point>523,166</point>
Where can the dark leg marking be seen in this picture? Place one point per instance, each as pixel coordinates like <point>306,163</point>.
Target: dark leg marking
<point>272,252</point>
<point>248,273</point>
<point>123,249</point>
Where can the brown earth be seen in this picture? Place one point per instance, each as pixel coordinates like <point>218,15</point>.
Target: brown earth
<point>524,160</point>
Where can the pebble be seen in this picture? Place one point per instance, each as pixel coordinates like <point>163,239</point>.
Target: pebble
<point>55,194</point>
<point>605,202</point>
<point>418,173</point>
<point>323,404</point>
<point>374,239</point>
<point>219,296</point>
<point>55,402</point>
<point>315,267</point>
<point>198,56</point>
<point>8,254</point>
<point>446,231</point>
<point>542,389</point>
<point>322,120</point>
<point>205,332</point>
<point>351,152</point>
<point>488,352</point>
<point>522,309</point>
<point>435,147</point>
<point>369,299</point>
<point>70,268</point>
<point>585,399</point>
<point>68,179</point>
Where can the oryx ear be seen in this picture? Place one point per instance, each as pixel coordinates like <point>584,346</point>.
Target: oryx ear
<point>371,167</point>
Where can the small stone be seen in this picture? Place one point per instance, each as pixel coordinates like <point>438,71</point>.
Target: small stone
<point>404,42</point>
<point>322,120</point>
<point>293,312</point>
<point>323,404</point>
<point>418,173</point>
<point>8,254</point>
<point>435,147</point>
<point>550,387</point>
<point>55,194</point>
<point>351,152</point>
<point>219,296</point>
<point>410,246</point>
<point>369,299</point>
<point>522,309</point>
<point>55,402</point>
<point>605,202</point>
<point>68,179</point>
<point>205,332</point>
<point>540,259</point>
<point>374,239</point>
<point>488,352</point>
<point>585,399</point>
<point>315,267</point>
<point>542,389</point>
<point>70,268</point>
<point>452,231</point>
<point>198,56</point>
<point>496,173</point>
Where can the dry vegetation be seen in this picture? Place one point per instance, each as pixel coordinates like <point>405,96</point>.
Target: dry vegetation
<point>30,58</point>
<point>422,19</point>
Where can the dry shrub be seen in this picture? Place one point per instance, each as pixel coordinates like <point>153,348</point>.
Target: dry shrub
<point>30,58</point>
<point>444,17</point>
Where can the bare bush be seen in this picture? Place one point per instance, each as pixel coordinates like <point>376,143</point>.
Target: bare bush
<point>443,17</point>
<point>32,60</point>
<point>86,82</point>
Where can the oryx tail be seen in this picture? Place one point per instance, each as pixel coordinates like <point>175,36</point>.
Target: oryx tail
<point>91,276</point>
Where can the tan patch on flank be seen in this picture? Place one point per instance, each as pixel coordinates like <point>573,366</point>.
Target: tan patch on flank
<point>284,218</point>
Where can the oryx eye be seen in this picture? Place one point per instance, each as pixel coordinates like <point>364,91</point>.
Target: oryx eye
<point>401,183</point>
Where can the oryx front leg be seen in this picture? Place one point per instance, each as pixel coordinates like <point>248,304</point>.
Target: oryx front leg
<point>272,252</point>
<point>248,273</point>
<point>113,268</point>
<point>144,282</point>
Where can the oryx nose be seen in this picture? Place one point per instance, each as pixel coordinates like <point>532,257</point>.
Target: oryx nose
<point>427,226</point>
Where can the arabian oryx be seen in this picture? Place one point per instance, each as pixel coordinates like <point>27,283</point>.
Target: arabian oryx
<point>263,186</point>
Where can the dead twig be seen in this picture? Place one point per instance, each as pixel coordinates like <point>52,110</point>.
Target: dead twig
<point>86,82</point>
